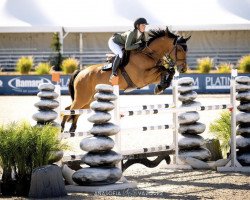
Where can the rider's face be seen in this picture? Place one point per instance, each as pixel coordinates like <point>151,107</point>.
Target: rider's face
<point>141,27</point>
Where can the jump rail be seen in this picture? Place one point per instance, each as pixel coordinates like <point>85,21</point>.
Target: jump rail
<point>176,110</point>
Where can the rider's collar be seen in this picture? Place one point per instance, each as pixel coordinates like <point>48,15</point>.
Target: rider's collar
<point>138,34</point>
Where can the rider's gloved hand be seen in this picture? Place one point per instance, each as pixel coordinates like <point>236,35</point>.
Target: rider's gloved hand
<point>142,46</point>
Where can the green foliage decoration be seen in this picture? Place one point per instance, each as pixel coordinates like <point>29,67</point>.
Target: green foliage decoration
<point>220,128</point>
<point>69,65</point>
<point>43,68</point>
<point>24,64</point>
<point>24,147</point>
<point>244,64</point>
<point>225,67</point>
<point>204,64</point>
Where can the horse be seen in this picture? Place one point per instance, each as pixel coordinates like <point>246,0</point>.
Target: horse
<point>143,68</point>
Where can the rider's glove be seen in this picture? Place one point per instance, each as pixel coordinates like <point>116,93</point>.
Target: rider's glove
<point>142,46</point>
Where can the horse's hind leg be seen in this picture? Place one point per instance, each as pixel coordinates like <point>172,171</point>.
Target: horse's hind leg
<point>75,119</point>
<point>74,123</point>
<point>75,105</point>
<point>65,118</point>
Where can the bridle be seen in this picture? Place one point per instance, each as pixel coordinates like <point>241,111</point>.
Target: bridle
<point>172,62</point>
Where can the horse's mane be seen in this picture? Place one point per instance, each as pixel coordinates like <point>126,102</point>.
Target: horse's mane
<point>157,33</point>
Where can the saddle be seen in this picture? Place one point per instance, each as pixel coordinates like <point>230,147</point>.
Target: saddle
<point>124,62</point>
<point>110,59</point>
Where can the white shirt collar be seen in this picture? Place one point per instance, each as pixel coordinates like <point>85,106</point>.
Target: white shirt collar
<point>138,33</point>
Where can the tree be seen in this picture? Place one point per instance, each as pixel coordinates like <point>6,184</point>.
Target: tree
<point>56,59</point>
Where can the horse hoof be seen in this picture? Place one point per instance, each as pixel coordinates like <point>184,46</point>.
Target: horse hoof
<point>157,90</point>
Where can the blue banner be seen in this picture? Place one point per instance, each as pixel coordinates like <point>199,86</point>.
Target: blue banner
<point>27,84</point>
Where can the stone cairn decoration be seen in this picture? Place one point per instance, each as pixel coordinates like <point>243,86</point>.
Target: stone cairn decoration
<point>191,150</point>
<point>100,157</point>
<point>243,120</point>
<point>47,181</point>
<point>47,103</point>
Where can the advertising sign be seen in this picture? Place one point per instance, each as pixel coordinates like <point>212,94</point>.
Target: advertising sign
<point>27,84</point>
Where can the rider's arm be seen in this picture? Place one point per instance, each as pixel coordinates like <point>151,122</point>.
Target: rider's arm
<point>129,45</point>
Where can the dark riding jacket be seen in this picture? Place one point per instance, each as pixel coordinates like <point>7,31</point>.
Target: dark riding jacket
<point>129,39</point>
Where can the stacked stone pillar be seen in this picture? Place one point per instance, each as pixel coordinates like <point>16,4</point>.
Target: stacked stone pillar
<point>47,181</point>
<point>190,142</point>
<point>243,120</point>
<point>46,105</point>
<point>100,157</point>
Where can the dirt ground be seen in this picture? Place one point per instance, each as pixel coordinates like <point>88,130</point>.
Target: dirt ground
<point>179,184</point>
<point>160,183</point>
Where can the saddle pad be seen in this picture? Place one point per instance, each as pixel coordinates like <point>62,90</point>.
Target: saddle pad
<point>107,67</point>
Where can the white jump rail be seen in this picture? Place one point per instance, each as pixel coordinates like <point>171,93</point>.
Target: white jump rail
<point>67,134</point>
<point>147,107</point>
<point>76,112</point>
<point>176,110</point>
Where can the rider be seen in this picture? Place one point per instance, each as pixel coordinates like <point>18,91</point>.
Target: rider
<point>130,40</point>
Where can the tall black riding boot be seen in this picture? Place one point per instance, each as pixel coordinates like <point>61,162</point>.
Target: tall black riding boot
<point>115,65</point>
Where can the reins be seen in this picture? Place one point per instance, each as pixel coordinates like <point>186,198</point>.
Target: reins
<point>151,54</point>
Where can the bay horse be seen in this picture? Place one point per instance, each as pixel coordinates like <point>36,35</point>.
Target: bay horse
<point>143,68</point>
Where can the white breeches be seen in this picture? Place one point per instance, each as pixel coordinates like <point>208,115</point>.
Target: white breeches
<point>115,48</point>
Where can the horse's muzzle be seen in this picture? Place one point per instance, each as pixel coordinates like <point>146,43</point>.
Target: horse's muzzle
<point>181,69</point>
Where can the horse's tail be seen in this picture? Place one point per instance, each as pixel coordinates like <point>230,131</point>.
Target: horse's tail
<point>71,83</point>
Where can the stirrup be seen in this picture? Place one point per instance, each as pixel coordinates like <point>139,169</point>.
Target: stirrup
<point>114,80</point>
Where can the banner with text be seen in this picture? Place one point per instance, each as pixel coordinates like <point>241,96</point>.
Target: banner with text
<point>27,84</point>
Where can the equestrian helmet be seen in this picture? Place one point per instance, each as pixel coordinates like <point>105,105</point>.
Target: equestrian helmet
<point>140,21</point>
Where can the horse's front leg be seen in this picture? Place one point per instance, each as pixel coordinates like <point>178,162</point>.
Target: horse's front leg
<point>166,79</point>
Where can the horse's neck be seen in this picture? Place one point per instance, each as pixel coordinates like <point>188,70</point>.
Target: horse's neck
<point>142,68</point>
<point>161,46</point>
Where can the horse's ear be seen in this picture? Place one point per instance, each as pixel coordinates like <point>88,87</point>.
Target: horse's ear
<point>186,39</point>
<point>170,34</point>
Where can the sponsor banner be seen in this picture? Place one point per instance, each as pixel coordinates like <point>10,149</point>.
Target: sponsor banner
<point>27,84</point>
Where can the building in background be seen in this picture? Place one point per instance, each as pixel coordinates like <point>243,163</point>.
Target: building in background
<point>220,28</point>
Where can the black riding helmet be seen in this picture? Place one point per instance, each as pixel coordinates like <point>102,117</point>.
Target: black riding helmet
<point>140,21</point>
